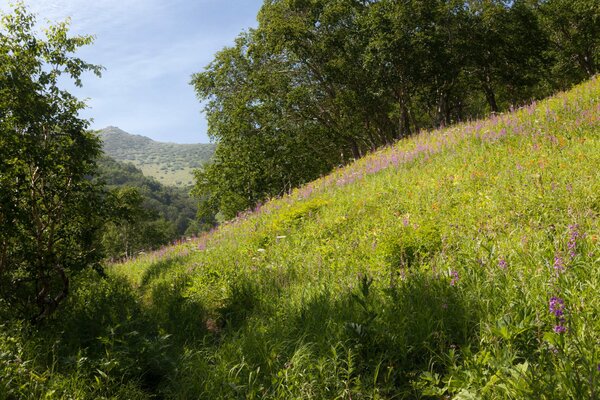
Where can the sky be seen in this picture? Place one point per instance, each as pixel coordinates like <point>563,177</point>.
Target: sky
<point>149,49</point>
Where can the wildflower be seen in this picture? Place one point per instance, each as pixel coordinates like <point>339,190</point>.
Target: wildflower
<point>560,329</point>
<point>559,265</point>
<point>406,221</point>
<point>455,278</point>
<point>574,235</point>
<point>557,306</point>
<point>502,263</point>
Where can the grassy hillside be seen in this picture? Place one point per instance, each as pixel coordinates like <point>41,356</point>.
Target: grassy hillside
<point>461,263</point>
<point>172,164</point>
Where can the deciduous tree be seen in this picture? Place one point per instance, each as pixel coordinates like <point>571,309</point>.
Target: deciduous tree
<point>49,206</point>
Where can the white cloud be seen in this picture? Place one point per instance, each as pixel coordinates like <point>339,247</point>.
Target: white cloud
<point>150,48</point>
<point>87,15</point>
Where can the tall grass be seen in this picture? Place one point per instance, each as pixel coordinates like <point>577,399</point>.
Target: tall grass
<point>460,263</point>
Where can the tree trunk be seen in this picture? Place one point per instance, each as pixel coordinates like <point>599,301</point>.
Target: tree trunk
<point>442,109</point>
<point>490,96</point>
<point>355,149</point>
<point>47,303</point>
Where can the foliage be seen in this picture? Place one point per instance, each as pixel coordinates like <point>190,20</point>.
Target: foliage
<point>322,82</point>
<point>256,156</point>
<point>458,263</point>
<point>574,31</point>
<point>49,208</point>
<point>145,213</point>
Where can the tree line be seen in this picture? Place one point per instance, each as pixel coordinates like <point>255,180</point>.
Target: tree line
<point>321,82</point>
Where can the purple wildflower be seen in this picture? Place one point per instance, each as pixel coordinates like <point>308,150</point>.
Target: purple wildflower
<point>502,263</point>
<point>560,329</point>
<point>559,265</point>
<point>557,306</point>
<point>455,278</point>
<point>574,235</point>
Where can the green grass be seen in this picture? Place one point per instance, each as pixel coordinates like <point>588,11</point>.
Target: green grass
<point>176,177</point>
<point>425,270</point>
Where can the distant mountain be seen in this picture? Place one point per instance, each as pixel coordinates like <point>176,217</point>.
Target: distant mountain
<point>171,164</point>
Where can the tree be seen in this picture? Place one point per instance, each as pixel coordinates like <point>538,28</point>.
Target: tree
<point>49,207</point>
<point>574,30</point>
<point>264,144</point>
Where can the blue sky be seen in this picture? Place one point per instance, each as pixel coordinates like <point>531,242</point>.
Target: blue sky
<point>149,48</point>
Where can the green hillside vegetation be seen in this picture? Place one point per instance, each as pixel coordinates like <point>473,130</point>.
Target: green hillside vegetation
<point>156,214</point>
<point>319,83</point>
<point>459,263</point>
<point>171,164</point>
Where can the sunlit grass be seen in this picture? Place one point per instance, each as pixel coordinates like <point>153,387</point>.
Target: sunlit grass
<point>459,262</point>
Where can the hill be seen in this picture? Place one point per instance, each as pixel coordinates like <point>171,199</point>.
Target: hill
<point>171,164</point>
<point>460,263</point>
<point>169,208</point>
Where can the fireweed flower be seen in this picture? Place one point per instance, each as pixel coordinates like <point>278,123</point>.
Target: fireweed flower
<point>557,306</point>
<point>573,236</point>
<point>455,278</point>
<point>502,263</point>
<point>559,265</point>
<point>560,329</point>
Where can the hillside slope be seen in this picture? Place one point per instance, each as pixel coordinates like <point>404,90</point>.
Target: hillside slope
<point>461,263</point>
<point>171,164</point>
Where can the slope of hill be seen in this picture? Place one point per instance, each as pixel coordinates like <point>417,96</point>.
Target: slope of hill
<point>171,203</point>
<point>170,163</point>
<point>461,263</point>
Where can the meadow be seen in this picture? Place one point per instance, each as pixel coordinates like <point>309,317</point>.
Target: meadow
<point>459,263</point>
